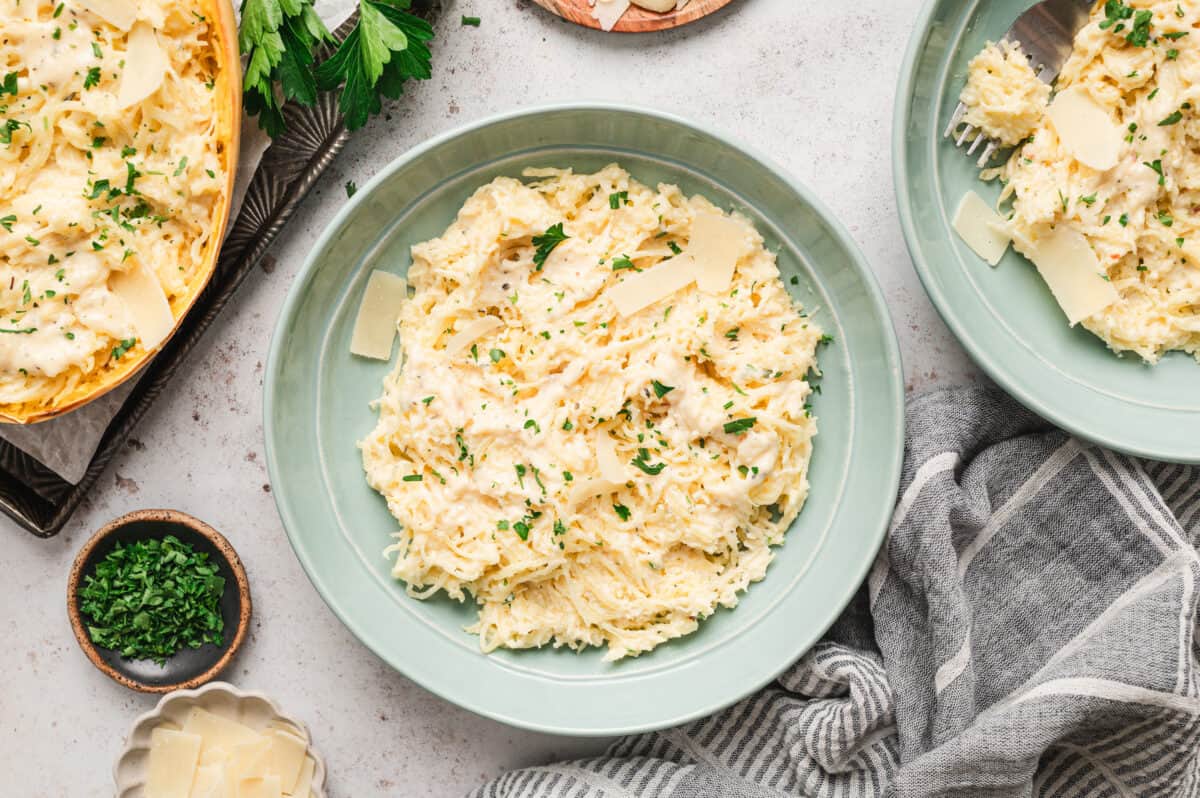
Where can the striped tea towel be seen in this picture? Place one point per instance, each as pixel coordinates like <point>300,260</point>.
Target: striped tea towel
<point>1028,629</point>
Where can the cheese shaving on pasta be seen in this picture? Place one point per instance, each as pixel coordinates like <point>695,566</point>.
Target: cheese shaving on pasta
<point>110,163</point>
<point>590,478</point>
<point>1139,64</point>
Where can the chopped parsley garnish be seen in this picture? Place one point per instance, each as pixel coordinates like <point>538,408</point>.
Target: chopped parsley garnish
<point>622,263</point>
<point>568,426</point>
<point>181,167</point>
<point>674,247</point>
<point>522,530</point>
<point>661,390</point>
<point>622,511</point>
<point>7,221</point>
<point>427,400</point>
<point>25,331</point>
<point>58,9</point>
<point>124,346</point>
<point>1176,34</point>
<point>1157,166</point>
<point>1165,219</point>
<point>149,599</point>
<point>739,425</point>
<point>412,478</point>
<point>9,84</point>
<point>1114,12</point>
<point>546,243</point>
<point>617,199</point>
<point>471,21</point>
<point>1139,35</point>
<point>1171,119</point>
<point>1088,200</point>
<point>521,471</point>
<point>642,462</point>
<point>732,334</point>
<point>496,355</point>
<point>9,127</point>
<point>96,51</point>
<point>533,425</point>
<point>351,189</point>
<point>559,527</point>
<point>92,78</point>
<point>1124,220</point>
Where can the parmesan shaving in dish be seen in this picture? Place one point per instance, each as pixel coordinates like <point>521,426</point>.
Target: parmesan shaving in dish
<point>608,12</point>
<point>591,473</point>
<point>115,154</point>
<point>1115,159</point>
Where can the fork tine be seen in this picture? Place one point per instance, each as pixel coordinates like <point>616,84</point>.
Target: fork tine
<point>975,145</point>
<point>966,132</point>
<point>987,154</point>
<point>954,120</point>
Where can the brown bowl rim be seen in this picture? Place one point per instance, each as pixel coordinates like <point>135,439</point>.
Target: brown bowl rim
<point>196,525</point>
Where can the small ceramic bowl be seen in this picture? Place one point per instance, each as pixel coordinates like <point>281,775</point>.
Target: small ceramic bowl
<point>190,667</point>
<point>253,709</point>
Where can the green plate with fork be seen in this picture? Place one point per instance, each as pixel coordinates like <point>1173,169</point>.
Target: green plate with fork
<point>1006,317</point>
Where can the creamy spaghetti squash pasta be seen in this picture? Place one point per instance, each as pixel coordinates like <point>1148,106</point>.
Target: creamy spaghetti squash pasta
<point>1106,187</point>
<point>599,424</point>
<point>115,148</point>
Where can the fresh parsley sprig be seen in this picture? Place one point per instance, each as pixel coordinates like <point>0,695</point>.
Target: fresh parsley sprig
<point>386,48</point>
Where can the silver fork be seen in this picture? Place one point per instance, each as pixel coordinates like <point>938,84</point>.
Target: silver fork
<point>1046,33</point>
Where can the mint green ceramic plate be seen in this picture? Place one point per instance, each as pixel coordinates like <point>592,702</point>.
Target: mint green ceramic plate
<point>317,398</point>
<point>1006,317</point>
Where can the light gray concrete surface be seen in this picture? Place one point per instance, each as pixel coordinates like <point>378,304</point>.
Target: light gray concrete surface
<point>810,83</point>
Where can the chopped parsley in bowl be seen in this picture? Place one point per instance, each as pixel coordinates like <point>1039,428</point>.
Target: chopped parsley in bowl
<point>159,601</point>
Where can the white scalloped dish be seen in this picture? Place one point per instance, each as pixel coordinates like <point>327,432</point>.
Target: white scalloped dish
<point>132,769</point>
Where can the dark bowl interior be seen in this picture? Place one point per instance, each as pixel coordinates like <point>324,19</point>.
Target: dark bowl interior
<point>188,664</point>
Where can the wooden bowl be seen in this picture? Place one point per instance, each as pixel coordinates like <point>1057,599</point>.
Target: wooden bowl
<point>635,20</point>
<point>190,667</point>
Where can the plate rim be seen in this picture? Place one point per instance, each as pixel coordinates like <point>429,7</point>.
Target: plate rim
<point>978,350</point>
<point>891,469</point>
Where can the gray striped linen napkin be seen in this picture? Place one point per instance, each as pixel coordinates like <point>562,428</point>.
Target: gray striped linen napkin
<point>1028,629</point>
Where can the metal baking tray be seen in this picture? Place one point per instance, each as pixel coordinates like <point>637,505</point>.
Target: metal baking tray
<point>37,498</point>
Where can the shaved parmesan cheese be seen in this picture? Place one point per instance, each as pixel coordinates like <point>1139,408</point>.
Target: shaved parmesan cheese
<point>173,756</point>
<point>217,731</point>
<point>145,66</point>
<point>1085,129</point>
<point>593,487</point>
<point>286,758</point>
<point>607,12</point>
<point>655,5</point>
<point>259,787</point>
<point>643,289</point>
<point>146,304</point>
<point>375,326</point>
<point>606,456</point>
<point>981,228</point>
<point>304,784</point>
<point>716,243</point>
<point>1070,267</point>
<point>118,13</point>
<point>471,332</point>
<point>209,782</point>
